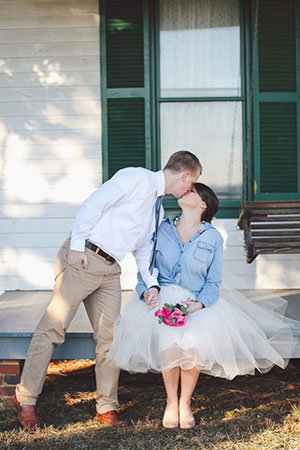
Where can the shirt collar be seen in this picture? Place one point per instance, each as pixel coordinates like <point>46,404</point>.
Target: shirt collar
<point>205,226</point>
<point>160,183</point>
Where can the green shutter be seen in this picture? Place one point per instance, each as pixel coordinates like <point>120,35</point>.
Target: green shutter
<point>276,101</point>
<point>126,137</point>
<point>278,147</point>
<point>124,44</point>
<point>277,46</point>
<point>126,133</point>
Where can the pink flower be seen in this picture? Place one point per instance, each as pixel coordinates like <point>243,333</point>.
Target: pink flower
<point>166,312</point>
<point>181,321</point>
<point>172,315</point>
<point>176,313</point>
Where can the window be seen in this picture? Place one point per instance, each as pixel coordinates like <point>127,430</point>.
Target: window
<point>178,74</point>
<point>200,88</point>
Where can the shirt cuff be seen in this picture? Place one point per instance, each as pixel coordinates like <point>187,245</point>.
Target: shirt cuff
<point>77,244</point>
<point>205,303</point>
<point>151,281</point>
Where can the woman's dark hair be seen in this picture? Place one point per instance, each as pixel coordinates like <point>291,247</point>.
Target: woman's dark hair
<point>211,200</point>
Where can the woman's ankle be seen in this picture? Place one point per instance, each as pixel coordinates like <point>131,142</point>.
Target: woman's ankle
<point>185,401</point>
<point>172,401</point>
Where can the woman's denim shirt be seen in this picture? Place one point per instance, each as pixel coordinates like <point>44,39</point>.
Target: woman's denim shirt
<point>196,266</point>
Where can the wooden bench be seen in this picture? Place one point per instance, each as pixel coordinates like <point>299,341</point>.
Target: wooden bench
<point>270,227</point>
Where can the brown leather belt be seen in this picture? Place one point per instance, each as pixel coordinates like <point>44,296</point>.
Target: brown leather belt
<point>99,251</point>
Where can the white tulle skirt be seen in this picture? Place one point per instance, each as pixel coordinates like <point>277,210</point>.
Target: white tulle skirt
<point>233,337</point>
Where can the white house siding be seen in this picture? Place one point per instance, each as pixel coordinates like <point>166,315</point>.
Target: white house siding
<point>50,147</point>
<point>50,130</point>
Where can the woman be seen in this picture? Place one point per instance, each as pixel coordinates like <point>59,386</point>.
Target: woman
<point>225,335</point>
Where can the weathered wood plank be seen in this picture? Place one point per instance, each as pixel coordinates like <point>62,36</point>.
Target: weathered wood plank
<point>58,137</point>
<point>28,308</point>
<point>53,108</point>
<point>40,78</point>
<point>76,35</point>
<point>21,210</point>
<point>50,64</point>
<point>32,21</point>
<point>32,240</point>
<point>52,167</point>
<point>276,226</point>
<point>52,152</point>
<point>58,49</point>
<point>276,243</point>
<point>45,94</point>
<point>51,6</point>
<point>272,219</point>
<point>272,204</point>
<point>274,233</point>
<point>47,225</point>
<point>273,212</point>
<point>53,123</point>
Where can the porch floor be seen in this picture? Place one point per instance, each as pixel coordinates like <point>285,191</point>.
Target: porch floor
<point>20,312</point>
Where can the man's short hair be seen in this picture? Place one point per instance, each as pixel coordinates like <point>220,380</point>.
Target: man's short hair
<point>183,160</point>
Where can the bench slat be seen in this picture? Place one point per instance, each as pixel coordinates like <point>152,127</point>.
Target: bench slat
<point>273,250</point>
<point>278,204</point>
<point>279,233</point>
<point>275,219</point>
<point>271,225</point>
<point>271,212</point>
<point>275,243</point>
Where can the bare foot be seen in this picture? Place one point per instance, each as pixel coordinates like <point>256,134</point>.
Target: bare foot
<point>170,419</point>
<point>186,416</point>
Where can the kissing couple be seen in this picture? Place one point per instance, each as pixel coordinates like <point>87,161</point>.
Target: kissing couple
<point>180,270</point>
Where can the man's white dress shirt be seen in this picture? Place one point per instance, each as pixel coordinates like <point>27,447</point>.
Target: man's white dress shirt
<point>119,217</point>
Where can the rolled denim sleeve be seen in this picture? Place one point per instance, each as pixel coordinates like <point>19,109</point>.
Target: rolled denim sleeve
<point>210,291</point>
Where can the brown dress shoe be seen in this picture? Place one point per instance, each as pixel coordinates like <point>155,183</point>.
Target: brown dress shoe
<point>111,418</point>
<point>27,416</point>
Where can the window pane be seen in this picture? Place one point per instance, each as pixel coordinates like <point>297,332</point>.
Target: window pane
<point>211,130</point>
<point>200,48</point>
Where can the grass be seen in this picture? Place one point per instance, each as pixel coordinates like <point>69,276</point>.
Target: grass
<point>251,412</point>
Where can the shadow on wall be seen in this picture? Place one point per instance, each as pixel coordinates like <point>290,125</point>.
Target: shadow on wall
<point>50,133</point>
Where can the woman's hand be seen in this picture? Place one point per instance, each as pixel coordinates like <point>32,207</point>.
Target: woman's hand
<point>151,297</point>
<point>192,306</point>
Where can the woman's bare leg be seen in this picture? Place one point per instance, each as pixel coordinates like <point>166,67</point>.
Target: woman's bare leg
<point>189,380</point>
<point>171,380</point>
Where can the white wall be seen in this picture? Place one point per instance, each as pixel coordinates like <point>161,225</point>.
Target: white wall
<point>50,130</point>
<point>265,272</point>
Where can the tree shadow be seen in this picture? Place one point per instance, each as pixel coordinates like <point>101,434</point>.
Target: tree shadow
<point>225,411</point>
<point>49,135</point>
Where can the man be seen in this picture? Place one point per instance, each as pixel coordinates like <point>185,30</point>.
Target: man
<point>116,219</point>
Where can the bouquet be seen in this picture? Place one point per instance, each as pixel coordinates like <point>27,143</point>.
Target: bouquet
<point>172,315</point>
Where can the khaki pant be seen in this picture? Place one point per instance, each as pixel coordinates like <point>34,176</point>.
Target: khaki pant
<point>99,288</point>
